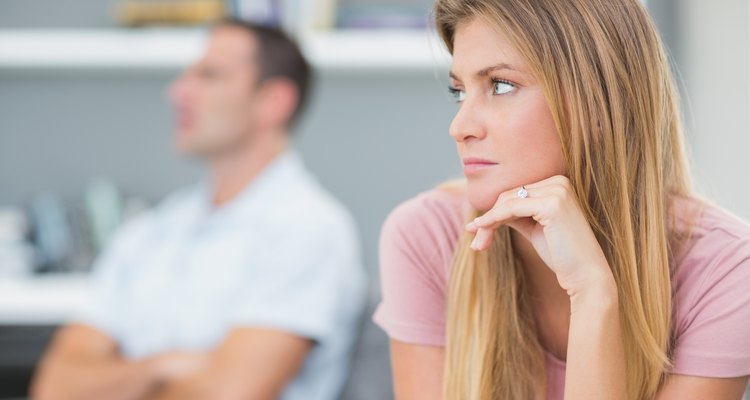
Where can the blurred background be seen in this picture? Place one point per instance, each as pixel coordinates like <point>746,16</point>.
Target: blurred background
<point>85,131</point>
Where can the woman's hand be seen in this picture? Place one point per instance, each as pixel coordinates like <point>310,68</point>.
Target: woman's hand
<point>551,219</point>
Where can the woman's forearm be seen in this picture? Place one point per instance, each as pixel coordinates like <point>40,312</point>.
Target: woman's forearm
<point>596,357</point>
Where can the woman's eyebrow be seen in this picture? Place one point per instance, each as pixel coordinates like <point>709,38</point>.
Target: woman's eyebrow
<point>486,71</point>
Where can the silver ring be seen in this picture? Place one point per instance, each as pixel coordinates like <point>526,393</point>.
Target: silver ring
<point>523,193</point>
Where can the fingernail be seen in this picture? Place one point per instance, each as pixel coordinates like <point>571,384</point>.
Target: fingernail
<point>471,226</point>
<point>475,243</point>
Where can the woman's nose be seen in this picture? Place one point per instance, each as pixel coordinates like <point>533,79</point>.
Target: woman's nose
<point>466,124</point>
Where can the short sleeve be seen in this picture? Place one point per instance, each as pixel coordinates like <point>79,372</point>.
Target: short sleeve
<point>307,284</point>
<point>105,292</point>
<point>714,337</point>
<point>416,247</point>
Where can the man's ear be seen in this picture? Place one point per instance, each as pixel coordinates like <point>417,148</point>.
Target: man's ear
<point>278,101</point>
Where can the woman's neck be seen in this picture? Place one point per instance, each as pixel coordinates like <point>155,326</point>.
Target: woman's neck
<point>540,279</point>
<point>550,303</point>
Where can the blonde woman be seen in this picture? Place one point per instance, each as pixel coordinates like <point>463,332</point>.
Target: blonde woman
<point>592,270</point>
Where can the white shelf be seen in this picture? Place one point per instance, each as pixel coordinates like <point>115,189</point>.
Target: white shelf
<point>47,300</point>
<point>163,48</point>
<point>376,50</point>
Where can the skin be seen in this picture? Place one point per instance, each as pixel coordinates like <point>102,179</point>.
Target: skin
<point>226,117</point>
<point>236,125</point>
<point>510,128</point>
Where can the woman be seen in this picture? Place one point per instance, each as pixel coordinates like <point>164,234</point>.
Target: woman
<point>592,270</point>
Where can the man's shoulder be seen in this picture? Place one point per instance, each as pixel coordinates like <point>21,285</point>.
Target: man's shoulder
<point>310,203</point>
<point>180,198</point>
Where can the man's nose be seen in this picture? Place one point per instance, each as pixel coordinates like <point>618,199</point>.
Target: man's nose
<point>178,89</point>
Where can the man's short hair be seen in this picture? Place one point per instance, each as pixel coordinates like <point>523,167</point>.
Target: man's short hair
<point>278,57</point>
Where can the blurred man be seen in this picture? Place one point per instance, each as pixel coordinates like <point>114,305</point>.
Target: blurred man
<point>247,286</point>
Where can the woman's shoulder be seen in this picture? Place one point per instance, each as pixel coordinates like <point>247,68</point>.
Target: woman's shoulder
<point>712,295</point>
<point>708,216</point>
<point>435,214</point>
<point>416,249</point>
<point>427,226</point>
<point>711,231</point>
<point>715,254</point>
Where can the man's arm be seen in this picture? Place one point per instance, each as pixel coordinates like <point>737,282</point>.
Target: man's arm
<point>251,364</point>
<point>83,363</point>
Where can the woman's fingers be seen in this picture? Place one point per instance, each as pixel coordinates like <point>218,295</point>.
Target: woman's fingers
<point>482,239</point>
<point>503,212</point>
<point>522,214</point>
<point>511,212</point>
<point>525,226</point>
<point>510,209</point>
<point>534,190</point>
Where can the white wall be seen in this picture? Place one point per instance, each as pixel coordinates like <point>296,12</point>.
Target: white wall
<point>714,57</point>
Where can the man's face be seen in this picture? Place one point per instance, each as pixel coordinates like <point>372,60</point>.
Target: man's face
<point>215,99</point>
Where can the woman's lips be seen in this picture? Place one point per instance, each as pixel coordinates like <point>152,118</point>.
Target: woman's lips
<point>474,166</point>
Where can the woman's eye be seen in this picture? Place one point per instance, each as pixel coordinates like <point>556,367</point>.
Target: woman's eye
<point>457,94</point>
<point>503,87</point>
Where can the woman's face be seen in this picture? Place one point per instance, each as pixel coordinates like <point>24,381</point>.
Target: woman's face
<point>504,130</point>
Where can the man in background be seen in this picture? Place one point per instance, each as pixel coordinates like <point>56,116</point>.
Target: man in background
<point>248,285</point>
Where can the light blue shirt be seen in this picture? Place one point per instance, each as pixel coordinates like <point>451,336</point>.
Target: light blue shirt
<point>284,254</point>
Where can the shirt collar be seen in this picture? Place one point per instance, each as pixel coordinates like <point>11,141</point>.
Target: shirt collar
<point>286,169</point>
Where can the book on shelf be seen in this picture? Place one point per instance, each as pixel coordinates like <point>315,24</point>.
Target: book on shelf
<point>295,16</point>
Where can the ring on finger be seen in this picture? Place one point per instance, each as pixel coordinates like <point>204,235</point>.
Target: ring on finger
<point>522,192</point>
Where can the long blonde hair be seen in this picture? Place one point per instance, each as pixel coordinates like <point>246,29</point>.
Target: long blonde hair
<point>607,79</point>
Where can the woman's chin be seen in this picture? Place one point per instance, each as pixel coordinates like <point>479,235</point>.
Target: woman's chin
<point>482,197</point>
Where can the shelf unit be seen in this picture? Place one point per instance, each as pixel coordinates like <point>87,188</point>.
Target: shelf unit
<point>50,300</point>
<point>171,48</point>
<point>42,300</point>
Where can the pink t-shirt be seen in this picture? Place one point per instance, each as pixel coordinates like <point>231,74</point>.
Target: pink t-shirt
<point>711,284</point>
